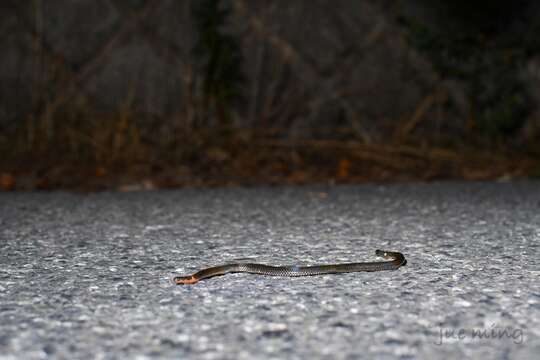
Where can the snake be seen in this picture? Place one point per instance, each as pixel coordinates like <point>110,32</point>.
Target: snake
<point>396,260</point>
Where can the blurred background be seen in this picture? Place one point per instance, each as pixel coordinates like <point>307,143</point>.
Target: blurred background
<point>142,94</point>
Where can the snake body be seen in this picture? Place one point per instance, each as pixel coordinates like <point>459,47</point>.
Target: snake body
<point>397,260</point>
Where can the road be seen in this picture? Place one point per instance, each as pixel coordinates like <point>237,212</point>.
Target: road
<point>88,275</point>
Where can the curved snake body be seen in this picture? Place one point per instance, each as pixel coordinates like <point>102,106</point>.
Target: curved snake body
<point>397,260</point>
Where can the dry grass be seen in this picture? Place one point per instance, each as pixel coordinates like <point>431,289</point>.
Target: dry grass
<point>85,150</point>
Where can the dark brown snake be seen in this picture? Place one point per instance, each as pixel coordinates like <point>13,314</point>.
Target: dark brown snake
<point>397,260</point>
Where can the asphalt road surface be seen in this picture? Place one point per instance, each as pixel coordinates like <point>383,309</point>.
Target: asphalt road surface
<point>88,276</point>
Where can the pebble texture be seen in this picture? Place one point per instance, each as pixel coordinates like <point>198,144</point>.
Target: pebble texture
<point>88,276</point>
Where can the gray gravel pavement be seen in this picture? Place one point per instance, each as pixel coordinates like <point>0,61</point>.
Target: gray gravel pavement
<point>88,276</point>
